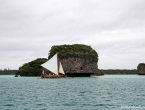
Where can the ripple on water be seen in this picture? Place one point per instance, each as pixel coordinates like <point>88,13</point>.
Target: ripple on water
<point>103,93</point>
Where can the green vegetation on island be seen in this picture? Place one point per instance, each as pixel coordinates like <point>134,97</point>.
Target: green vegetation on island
<point>120,71</point>
<point>32,68</point>
<point>8,72</point>
<point>65,50</point>
<point>100,72</point>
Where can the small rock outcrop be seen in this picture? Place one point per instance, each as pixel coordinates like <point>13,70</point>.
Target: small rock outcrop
<point>141,69</point>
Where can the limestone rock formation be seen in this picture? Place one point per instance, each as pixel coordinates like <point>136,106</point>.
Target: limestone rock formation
<point>141,69</point>
<point>76,59</point>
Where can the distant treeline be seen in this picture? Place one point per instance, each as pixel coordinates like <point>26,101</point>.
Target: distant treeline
<point>109,71</point>
<point>8,72</point>
<point>118,71</point>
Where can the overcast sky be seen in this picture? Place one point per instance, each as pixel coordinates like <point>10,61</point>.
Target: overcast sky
<point>114,28</point>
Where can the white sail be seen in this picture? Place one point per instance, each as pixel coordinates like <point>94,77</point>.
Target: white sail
<point>61,69</point>
<point>51,64</point>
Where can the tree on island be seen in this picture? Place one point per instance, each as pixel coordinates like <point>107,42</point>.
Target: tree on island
<point>32,68</point>
<point>65,50</point>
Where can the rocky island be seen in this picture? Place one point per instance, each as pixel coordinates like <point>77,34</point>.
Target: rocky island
<point>141,69</point>
<point>76,59</point>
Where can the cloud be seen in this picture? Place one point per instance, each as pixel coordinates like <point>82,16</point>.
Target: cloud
<point>114,28</point>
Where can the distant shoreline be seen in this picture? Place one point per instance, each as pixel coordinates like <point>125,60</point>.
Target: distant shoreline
<point>105,71</point>
<point>8,72</point>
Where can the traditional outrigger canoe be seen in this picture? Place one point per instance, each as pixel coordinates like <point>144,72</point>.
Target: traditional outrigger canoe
<point>52,65</point>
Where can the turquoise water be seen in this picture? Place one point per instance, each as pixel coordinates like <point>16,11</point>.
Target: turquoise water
<point>109,92</point>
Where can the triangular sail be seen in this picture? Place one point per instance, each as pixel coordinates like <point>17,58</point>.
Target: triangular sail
<point>51,64</point>
<point>61,69</point>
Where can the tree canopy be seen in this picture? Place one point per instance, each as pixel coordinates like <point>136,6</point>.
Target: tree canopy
<point>32,68</point>
<point>64,50</point>
<point>120,71</point>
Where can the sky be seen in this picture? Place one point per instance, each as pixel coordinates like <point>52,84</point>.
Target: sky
<point>114,28</point>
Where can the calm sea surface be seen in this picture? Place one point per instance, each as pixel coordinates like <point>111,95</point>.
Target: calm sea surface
<point>108,92</point>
